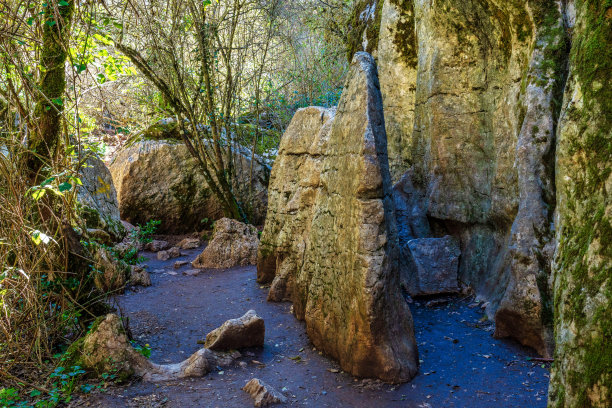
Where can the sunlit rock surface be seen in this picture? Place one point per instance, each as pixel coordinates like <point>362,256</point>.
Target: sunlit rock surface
<point>347,285</point>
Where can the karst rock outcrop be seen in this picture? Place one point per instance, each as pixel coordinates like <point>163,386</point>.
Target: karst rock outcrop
<point>471,95</point>
<point>347,282</point>
<point>160,180</point>
<point>497,118</point>
<point>582,269</point>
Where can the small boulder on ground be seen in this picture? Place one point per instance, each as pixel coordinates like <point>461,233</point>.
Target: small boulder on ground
<point>106,348</point>
<point>140,276</point>
<point>173,252</point>
<point>246,331</point>
<point>263,394</point>
<point>180,264</point>
<point>157,245</point>
<point>234,244</point>
<point>432,265</point>
<point>189,243</point>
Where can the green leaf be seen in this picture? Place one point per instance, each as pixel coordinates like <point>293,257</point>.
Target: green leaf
<point>38,194</point>
<point>50,23</point>
<point>101,78</point>
<point>65,187</point>
<point>58,101</point>
<point>30,21</point>
<point>80,67</point>
<point>63,3</point>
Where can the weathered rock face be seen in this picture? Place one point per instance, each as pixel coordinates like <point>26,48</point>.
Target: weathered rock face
<point>347,286</point>
<point>582,373</point>
<point>160,180</point>
<point>98,199</point>
<point>234,244</point>
<point>471,91</point>
<point>433,266</point>
<point>294,185</point>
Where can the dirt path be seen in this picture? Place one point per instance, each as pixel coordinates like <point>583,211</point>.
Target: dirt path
<point>462,365</point>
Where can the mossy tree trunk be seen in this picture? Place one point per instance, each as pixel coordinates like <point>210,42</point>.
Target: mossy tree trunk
<point>582,371</point>
<point>43,140</point>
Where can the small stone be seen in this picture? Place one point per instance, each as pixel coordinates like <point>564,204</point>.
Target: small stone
<point>189,243</point>
<point>247,331</point>
<point>173,252</point>
<point>140,276</point>
<point>191,272</point>
<point>263,394</point>
<point>180,264</point>
<point>156,245</point>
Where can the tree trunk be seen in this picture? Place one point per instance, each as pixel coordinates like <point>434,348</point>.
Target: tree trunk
<point>43,140</point>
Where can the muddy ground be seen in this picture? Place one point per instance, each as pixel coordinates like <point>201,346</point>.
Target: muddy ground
<point>461,364</point>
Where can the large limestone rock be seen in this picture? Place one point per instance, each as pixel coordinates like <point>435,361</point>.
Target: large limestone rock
<point>347,285</point>
<point>160,180</point>
<point>98,199</point>
<point>582,373</point>
<point>294,185</point>
<point>471,91</point>
<point>234,244</point>
<point>525,310</point>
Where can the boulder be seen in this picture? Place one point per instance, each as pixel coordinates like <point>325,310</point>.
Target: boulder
<point>263,394</point>
<point>173,252</point>
<point>160,180</point>
<point>97,198</point>
<point>246,331</point>
<point>156,245</point>
<point>347,285</point>
<point>107,349</point>
<point>233,244</point>
<point>432,266</point>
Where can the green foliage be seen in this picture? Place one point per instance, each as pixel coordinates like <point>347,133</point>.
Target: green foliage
<point>63,385</point>
<point>144,233</point>
<point>144,350</point>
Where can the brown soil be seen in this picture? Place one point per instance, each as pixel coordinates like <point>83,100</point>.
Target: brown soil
<point>462,365</point>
